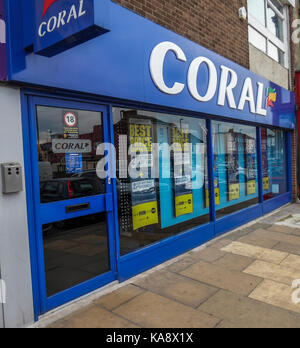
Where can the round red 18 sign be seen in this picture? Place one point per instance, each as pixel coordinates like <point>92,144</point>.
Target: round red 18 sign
<point>70,119</point>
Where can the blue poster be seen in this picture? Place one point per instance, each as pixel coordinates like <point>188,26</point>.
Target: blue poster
<point>73,163</point>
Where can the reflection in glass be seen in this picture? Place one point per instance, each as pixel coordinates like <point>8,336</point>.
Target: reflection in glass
<point>235,167</point>
<point>167,191</point>
<point>274,162</point>
<point>75,251</point>
<point>274,23</point>
<point>67,143</point>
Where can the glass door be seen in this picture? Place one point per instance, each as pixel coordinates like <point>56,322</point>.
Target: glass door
<point>73,200</point>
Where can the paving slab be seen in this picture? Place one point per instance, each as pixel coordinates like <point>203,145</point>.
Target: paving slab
<point>255,252</point>
<point>292,261</point>
<point>209,254</point>
<point>249,313</point>
<point>288,248</point>
<point>276,294</point>
<point>118,297</point>
<point>221,243</point>
<point>280,237</point>
<point>222,278</point>
<point>234,262</point>
<point>225,324</point>
<point>273,272</point>
<point>257,240</point>
<point>281,229</point>
<point>154,311</point>
<point>177,287</point>
<point>182,264</point>
<point>95,317</point>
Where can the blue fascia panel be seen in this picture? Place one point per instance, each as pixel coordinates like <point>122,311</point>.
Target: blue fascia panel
<point>117,65</point>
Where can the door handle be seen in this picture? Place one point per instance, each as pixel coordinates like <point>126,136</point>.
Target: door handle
<point>77,207</point>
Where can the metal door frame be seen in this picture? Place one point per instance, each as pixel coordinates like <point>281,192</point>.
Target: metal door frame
<point>42,304</point>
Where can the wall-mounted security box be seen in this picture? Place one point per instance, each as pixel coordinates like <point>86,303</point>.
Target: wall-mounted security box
<point>12,181</point>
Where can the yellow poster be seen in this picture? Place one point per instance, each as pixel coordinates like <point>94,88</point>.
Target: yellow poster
<point>184,205</point>
<point>251,187</point>
<point>143,188</point>
<point>217,194</point>
<point>144,215</point>
<point>234,192</point>
<point>266,184</point>
<point>182,162</point>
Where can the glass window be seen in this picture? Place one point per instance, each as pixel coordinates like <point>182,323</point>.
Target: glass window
<point>275,53</point>
<point>267,20</point>
<point>274,23</point>
<point>235,167</point>
<point>257,9</point>
<point>257,40</point>
<point>273,144</point>
<point>161,176</point>
<point>75,251</point>
<point>67,143</point>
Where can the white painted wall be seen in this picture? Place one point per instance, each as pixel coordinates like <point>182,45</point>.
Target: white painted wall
<point>14,244</point>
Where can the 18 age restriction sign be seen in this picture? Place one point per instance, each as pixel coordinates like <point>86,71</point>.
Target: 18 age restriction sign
<point>70,119</point>
<point>71,126</point>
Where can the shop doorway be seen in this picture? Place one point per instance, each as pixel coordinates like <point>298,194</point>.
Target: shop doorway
<point>73,206</point>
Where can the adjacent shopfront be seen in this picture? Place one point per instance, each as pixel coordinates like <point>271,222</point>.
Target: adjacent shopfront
<point>139,144</point>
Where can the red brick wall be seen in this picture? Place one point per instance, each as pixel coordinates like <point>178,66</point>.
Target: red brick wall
<point>294,138</point>
<point>211,23</point>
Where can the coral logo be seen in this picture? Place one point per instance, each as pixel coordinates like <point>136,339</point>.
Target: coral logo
<point>62,19</point>
<point>272,97</point>
<point>47,4</point>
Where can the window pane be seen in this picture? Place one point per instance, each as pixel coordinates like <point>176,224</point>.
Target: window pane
<point>235,167</point>
<point>274,23</point>
<point>75,251</point>
<point>161,176</point>
<point>277,5</point>
<point>257,40</point>
<point>274,162</point>
<point>67,143</point>
<point>257,9</point>
<point>275,53</point>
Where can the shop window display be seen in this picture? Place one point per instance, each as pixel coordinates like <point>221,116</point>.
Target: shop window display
<point>273,143</point>
<point>161,176</point>
<point>235,167</point>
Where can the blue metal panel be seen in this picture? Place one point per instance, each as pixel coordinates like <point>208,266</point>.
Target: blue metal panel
<point>276,203</point>
<point>30,209</point>
<point>117,65</point>
<point>115,197</point>
<point>238,219</point>
<point>144,259</point>
<point>80,290</point>
<point>81,22</point>
<point>50,212</point>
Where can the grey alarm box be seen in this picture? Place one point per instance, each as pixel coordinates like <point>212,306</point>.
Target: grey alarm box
<point>12,179</point>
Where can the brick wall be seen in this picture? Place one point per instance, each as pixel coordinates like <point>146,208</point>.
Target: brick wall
<point>211,23</point>
<point>294,137</point>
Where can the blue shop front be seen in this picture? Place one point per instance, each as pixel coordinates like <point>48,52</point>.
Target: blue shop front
<point>139,144</point>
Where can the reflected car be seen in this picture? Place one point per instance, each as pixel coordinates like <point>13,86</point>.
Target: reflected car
<point>70,188</point>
